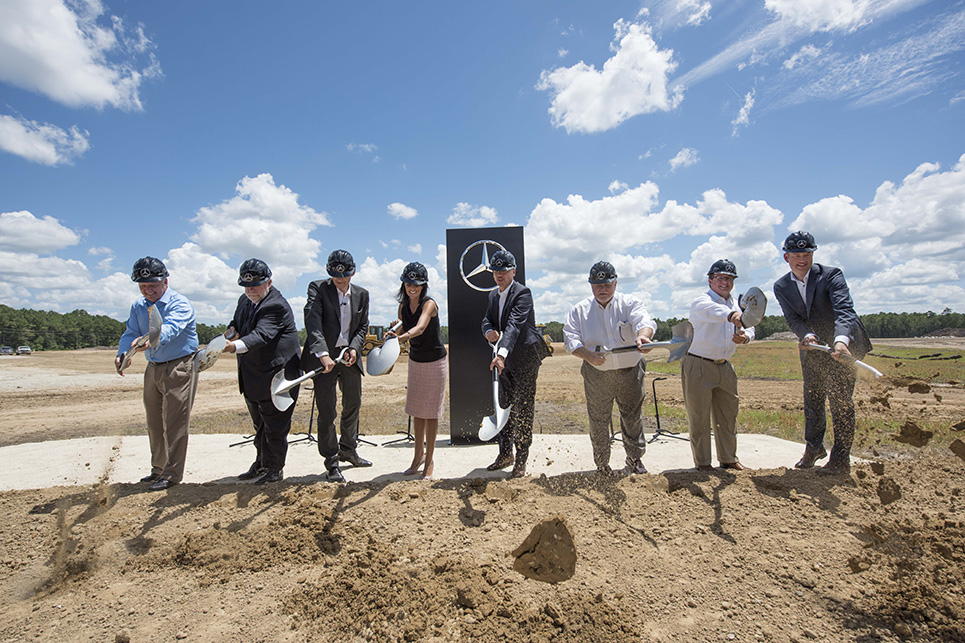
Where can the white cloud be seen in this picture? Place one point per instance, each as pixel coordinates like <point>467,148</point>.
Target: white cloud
<point>58,49</point>
<point>743,118</point>
<point>415,249</point>
<point>803,55</point>
<point>471,216</point>
<point>400,211</point>
<point>562,53</point>
<point>22,231</point>
<point>823,15</point>
<point>685,158</point>
<point>263,220</point>
<point>41,142</point>
<point>633,81</point>
<point>617,186</point>
<point>909,67</point>
<point>365,148</point>
<point>674,13</point>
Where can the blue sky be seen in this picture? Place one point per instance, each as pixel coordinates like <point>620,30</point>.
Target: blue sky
<point>658,135</point>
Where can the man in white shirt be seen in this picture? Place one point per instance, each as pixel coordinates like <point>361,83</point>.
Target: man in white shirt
<point>604,321</point>
<point>708,378</point>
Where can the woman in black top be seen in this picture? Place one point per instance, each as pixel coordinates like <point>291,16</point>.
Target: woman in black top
<point>428,369</point>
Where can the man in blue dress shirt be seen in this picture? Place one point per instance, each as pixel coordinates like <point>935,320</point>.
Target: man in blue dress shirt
<point>170,379</point>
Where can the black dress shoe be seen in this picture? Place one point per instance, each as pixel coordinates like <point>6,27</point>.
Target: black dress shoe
<point>836,469</point>
<point>161,484</point>
<point>809,458</point>
<point>501,462</point>
<point>151,477</point>
<point>353,459</point>
<point>519,470</point>
<point>334,475</point>
<point>270,475</point>
<point>253,472</point>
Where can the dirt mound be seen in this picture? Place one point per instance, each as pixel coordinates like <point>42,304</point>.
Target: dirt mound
<point>548,553</point>
<point>947,332</point>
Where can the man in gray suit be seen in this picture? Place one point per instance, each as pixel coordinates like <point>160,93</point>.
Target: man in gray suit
<point>337,318</point>
<point>817,306</point>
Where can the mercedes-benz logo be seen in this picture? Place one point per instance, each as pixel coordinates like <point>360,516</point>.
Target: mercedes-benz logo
<point>145,272</point>
<point>487,248</point>
<point>248,277</point>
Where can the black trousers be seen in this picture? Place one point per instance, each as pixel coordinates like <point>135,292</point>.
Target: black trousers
<point>271,431</point>
<point>518,387</point>
<point>348,379</point>
<point>827,379</point>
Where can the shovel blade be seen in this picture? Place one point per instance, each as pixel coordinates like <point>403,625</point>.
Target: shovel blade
<point>753,304</point>
<point>207,356</point>
<point>381,359</point>
<point>492,425</point>
<point>154,327</point>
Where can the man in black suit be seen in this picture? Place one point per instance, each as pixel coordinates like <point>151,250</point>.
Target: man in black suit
<point>817,306</point>
<point>337,319</point>
<point>511,321</point>
<point>265,341</point>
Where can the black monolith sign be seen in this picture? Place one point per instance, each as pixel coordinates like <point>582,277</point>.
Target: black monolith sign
<point>470,279</point>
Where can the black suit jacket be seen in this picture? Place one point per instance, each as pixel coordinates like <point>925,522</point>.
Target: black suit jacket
<point>828,311</point>
<point>517,328</point>
<point>268,330</point>
<point>323,322</point>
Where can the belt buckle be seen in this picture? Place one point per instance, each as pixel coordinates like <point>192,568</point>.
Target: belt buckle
<point>720,361</point>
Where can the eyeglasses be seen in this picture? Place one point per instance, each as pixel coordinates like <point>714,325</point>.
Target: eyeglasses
<point>723,278</point>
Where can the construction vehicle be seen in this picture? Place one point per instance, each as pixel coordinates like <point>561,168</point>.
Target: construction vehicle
<point>376,336</point>
<point>546,338</point>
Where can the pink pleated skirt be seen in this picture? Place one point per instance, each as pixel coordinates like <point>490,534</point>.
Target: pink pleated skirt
<point>425,397</point>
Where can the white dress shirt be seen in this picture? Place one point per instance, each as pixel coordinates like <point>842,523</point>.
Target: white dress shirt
<point>590,325</point>
<point>712,331</point>
<point>345,315</point>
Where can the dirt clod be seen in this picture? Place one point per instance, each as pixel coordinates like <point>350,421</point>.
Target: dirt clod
<point>911,433</point>
<point>548,554</point>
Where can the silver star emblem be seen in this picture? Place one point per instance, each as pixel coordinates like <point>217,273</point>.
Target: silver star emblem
<point>487,249</point>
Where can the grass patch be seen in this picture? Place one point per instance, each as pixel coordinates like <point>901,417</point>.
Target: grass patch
<point>944,366</point>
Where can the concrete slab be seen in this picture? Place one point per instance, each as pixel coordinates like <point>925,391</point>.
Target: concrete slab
<point>211,459</point>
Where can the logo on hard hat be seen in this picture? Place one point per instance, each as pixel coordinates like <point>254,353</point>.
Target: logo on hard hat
<point>146,272</point>
<point>487,249</point>
<point>248,276</point>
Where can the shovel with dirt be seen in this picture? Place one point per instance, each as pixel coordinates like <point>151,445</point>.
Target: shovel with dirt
<point>280,386</point>
<point>682,335</point>
<point>152,338</point>
<point>492,425</point>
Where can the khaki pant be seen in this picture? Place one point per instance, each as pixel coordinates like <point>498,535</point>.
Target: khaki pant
<point>168,397</point>
<point>602,388</point>
<point>710,396</point>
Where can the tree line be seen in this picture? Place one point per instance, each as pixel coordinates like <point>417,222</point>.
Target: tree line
<point>47,330</point>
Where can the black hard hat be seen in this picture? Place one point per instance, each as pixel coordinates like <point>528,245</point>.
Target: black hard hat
<point>723,267</point>
<point>253,272</point>
<point>502,260</point>
<point>148,269</point>
<point>799,241</point>
<point>602,272</point>
<point>340,264</point>
<point>415,273</point>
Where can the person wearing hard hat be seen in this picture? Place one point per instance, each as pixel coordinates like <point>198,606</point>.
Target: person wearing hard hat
<point>510,323</point>
<point>818,308</point>
<point>170,379</point>
<point>609,319</point>
<point>265,340</point>
<point>337,320</point>
<point>708,378</point>
<point>428,366</point>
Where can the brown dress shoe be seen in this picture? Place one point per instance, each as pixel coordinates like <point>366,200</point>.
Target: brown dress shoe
<point>737,466</point>
<point>501,462</point>
<point>809,458</point>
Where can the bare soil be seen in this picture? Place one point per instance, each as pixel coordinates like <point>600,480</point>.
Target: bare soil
<point>766,555</point>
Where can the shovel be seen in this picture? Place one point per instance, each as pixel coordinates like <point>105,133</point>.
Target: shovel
<point>381,359</point>
<point>868,367</point>
<point>752,303</point>
<point>492,425</point>
<point>682,335</point>
<point>152,338</point>
<point>207,356</point>
<point>280,386</point>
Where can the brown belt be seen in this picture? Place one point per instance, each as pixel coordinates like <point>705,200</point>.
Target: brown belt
<point>707,359</point>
